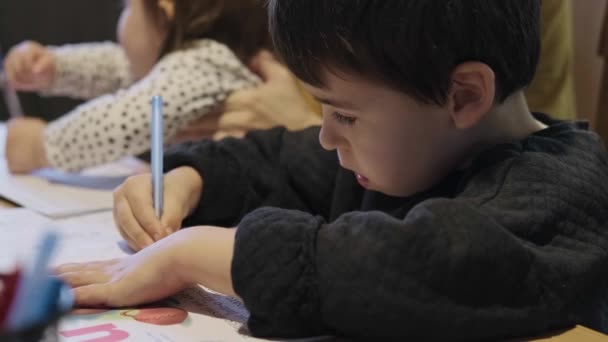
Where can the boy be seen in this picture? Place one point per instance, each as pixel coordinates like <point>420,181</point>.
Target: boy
<point>450,212</point>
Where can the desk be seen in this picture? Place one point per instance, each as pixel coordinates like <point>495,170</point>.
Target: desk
<point>576,334</point>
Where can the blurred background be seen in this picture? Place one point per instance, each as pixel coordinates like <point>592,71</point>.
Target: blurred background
<point>54,22</point>
<point>72,21</point>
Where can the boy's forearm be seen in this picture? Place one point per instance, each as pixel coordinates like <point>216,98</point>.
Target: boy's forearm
<point>204,257</point>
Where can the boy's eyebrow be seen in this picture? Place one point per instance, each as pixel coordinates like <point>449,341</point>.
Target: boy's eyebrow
<point>333,103</point>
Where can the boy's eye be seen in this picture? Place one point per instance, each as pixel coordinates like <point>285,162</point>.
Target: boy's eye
<point>343,119</point>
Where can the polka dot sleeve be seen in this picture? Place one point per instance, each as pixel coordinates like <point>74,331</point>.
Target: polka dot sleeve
<point>192,82</point>
<point>85,71</point>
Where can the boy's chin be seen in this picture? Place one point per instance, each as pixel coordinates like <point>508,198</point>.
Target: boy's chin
<point>394,191</point>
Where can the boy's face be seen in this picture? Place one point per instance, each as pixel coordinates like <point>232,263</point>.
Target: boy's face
<point>392,143</point>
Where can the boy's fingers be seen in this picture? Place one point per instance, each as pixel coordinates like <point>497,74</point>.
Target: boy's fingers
<point>121,230</point>
<point>91,295</point>
<point>172,217</point>
<point>137,192</point>
<point>145,216</point>
<point>130,226</point>
<point>83,266</point>
<point>78,279</point>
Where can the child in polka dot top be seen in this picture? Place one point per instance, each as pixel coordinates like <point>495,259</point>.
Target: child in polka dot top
<point>191,52</point>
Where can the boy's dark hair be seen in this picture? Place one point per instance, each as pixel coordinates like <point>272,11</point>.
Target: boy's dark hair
<point>242,25</point>
<point>414,45</point>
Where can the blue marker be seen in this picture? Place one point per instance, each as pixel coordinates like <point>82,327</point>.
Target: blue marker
<point>156,151</point>
<point>29,302</point>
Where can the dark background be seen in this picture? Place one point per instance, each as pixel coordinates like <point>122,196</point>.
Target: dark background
<point>54,22</point>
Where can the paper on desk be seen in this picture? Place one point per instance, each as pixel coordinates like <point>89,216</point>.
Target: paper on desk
<point>84,238</point>
<point>51,199</point>
<point>193,315</point>
<point>60,194</point>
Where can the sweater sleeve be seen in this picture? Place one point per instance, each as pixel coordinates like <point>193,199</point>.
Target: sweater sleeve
<point>85,71</point>
<point>447,271</point>
<point>192,82</point>
<point>266,168</point>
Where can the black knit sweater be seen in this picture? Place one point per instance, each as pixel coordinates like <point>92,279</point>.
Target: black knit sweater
<point>514,245</point>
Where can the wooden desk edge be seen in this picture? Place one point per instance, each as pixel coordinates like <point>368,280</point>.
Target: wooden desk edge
<point>576,334</point>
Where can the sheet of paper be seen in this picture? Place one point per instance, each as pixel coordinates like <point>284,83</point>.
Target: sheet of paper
<point>196,314</point>
<point>84,238</point>
<point>51,199</point>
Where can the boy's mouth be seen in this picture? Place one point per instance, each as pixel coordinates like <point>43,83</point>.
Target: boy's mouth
<point>363,180</point>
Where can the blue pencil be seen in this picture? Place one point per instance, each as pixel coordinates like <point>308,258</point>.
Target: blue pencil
<point>156,159</point>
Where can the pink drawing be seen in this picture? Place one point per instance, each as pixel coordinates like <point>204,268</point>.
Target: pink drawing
<point>112,334</point>
<point>148,315</point>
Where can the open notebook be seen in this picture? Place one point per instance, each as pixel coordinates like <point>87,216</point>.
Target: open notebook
<point>193,315</point>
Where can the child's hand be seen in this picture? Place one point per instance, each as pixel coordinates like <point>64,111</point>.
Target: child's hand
<point>30,66</point>
<point>134,210</point>
<point>277,102</point>
<point>199,255</point>
<point>25,145</point>
<point>141,278</point>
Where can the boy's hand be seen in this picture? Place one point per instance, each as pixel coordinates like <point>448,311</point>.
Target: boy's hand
<point>134,210</point>
<point>141,278</point>
<point>199,255</point>
<point>30,66</point>
<point>25,145</point>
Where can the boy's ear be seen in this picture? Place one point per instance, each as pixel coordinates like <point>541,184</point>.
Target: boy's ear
<point>167,7</point>
<point>472,93</point>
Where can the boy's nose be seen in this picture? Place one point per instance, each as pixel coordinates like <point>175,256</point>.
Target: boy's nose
<point>329,136</point>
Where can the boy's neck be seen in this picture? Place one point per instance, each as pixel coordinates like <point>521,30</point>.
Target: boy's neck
<point>508,122</point>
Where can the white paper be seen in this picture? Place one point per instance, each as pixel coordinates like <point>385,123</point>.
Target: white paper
<point>86,238</point>
<point>193,315</point>
<point>51,199</point>
<point>201,315</point>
